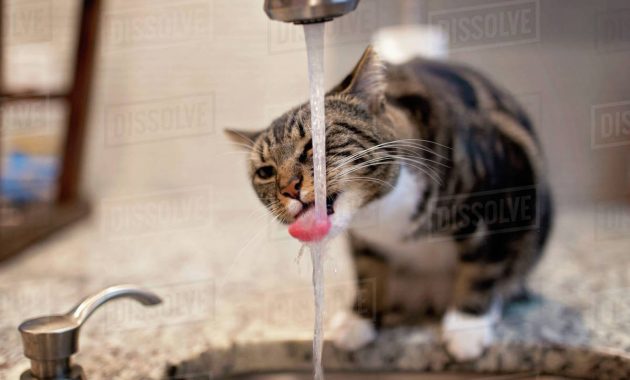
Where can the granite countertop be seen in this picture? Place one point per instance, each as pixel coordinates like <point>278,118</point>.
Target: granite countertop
<point>578,325</point>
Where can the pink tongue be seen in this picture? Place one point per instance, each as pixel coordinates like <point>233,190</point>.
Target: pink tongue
<point>308,229</point>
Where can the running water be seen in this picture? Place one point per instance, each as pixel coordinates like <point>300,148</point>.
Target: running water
<point>314,34</point>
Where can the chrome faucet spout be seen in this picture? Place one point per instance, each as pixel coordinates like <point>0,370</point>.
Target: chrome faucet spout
<point>308,11</point>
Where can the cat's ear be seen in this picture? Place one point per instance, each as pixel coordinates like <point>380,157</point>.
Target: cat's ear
<point>367,80</point>
<point>244,139</point>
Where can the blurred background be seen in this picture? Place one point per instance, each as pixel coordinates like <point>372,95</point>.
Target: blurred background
<point>133,172</point>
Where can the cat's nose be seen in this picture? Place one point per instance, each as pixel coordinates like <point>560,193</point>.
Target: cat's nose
<point>292,189</point>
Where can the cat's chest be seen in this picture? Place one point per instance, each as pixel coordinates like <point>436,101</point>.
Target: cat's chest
<point>386,225</point>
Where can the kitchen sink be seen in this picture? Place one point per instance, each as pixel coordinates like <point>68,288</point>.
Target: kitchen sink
<point>396,376</point>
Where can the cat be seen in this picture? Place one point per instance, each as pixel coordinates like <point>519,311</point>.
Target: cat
<point>437,177</point>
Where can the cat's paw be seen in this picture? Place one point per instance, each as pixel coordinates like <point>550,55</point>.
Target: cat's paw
<point>465,335</point>
<point>350,332</point>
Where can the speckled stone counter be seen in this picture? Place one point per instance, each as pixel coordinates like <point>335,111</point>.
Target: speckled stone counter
<point>579,324</point>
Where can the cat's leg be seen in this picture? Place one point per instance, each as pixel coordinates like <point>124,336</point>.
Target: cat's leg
<point>351,330</point>
<point>485,269</point>
<point>467,326</point>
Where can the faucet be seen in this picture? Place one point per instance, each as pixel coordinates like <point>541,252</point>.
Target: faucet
<point>308,11</point>
<point>50,341</point>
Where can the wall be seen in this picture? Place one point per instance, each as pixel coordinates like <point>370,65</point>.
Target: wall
<point>172,75</point>
<point>229,66</point>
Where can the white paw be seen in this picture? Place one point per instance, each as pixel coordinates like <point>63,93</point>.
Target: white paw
<point>350,332</point>
<point>466,335</point>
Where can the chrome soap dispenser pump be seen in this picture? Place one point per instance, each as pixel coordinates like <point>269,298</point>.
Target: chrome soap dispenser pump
<point>50,341</point>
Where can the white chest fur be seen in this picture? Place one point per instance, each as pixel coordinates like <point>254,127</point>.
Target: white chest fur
<point>386,222</point>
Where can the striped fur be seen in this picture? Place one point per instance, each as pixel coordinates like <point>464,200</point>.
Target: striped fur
<point>469,150</point>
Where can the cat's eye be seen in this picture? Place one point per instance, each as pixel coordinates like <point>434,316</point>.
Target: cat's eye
<point>306,152</point>
<point>266,172</point>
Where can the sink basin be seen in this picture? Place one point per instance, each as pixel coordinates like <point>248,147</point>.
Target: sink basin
<point>396,376</point>
<point>388,359</point>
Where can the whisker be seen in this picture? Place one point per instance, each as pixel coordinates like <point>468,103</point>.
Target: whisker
<point>434,176</point>
<point>387,146</point>
<point>391,159</point>
<point>402,156</point>
<point>410,143</point>
<point>353,178</point>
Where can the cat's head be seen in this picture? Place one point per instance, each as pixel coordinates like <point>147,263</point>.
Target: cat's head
<point>281,156</point>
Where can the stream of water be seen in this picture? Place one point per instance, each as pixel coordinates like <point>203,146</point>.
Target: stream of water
<point>314,34</point>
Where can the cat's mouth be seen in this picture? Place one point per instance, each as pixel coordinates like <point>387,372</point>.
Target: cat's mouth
<point>330,205</point>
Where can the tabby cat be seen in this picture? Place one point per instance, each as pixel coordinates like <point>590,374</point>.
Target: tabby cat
<point>437,177</point>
